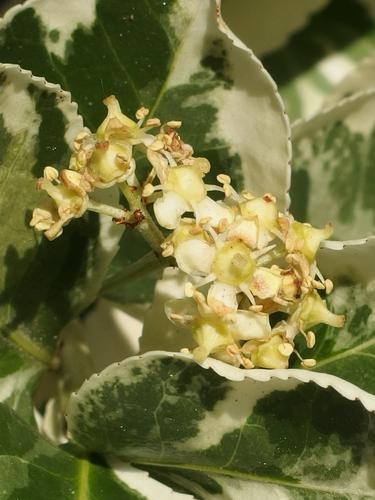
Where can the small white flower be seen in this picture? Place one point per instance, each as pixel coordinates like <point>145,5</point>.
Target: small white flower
<point>169,209</point>
<point>306,239</point>
<point>195,257</point>
<point>69,199</point>
<point>270,354</point>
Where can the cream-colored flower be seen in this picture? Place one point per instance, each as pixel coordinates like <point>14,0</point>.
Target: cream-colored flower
<point>263,211</point>
<point>306,239</point>
<point>273,353</point>
<point>106,157</point>
<point>313,310</point>
<point>216,330</point>
<point>69,199</point>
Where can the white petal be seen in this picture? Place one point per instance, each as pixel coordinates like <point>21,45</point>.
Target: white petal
<point>250,325</point>
<point>265,283</point>
<point>181,311</point>
<point>245,231</point>
<point>215,210</point>
<point>169,208</point>
<point>195,257</point>
<point>222,298</point>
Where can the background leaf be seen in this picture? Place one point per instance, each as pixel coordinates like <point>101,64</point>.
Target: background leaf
<point>315,59</point>
<point>18,376</point>
<point>31,468</point>
<point>160,410</point>
<point>333,171</point>
<point>267,26</point>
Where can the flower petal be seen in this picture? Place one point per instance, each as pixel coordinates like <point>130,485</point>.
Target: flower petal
<point>195,257</point>
<point>169,208</point>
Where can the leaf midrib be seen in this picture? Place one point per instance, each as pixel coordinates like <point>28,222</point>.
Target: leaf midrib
<point>252,477</point>
<point>346,354</point>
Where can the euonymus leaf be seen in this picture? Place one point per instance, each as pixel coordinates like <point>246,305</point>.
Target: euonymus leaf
<point>172,58</point>
<point>169,56</point>
<point>169,411</point>
<point>361,78</point>
<point>18,375</point>
<point>31,468</point>
<point>333,173</point>
<point>316,58</point>
<point>42,284</point>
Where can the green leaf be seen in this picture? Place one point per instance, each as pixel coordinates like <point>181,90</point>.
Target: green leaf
<point>18,376</point>
<point>31,468</point>
<point>333,174</point>
<point>166,410</point>
<point>316,58</point>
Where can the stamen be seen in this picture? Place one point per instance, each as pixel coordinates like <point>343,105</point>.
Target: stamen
<point>208,279</point>
<point>329,286</point>
<point>245,289</point>
<point>259,253</point>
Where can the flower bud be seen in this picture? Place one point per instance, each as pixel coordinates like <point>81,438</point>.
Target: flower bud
<point>268,355</point>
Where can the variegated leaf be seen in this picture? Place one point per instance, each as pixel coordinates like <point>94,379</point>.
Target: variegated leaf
<point>172,58</point>
<point>168,411</point>
<point>319,56</point>
<point>42,284</point>
<point>31,468</point>
<point>18,376</point>
<point>333,172</point>
<point>361,78</point>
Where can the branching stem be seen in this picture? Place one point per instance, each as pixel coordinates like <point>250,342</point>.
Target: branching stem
<point>147,227</point>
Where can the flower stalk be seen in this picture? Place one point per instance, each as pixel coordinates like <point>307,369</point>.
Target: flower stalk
<point>146,226</point>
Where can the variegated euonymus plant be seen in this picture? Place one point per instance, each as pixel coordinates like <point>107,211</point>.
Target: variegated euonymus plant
<point>192,217</point>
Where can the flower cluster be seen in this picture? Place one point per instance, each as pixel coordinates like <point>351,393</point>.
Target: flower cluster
<point>254,284</point>
<point>99,161</point>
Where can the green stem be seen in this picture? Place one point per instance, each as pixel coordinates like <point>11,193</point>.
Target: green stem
<point>147,227</point>
<point>102,208</point>
<point>146,265</point>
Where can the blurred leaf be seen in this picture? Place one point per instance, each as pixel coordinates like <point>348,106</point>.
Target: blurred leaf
<point>333,173</point>
<point>316,58</point>
<point>31,468</point>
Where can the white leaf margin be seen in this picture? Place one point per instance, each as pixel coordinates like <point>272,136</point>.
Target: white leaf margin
<point>324,380</point>
<point>356,259</point>
<point>224,28</point>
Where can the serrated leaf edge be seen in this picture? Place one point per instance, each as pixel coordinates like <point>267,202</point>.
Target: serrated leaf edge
<point>224,28</point>
<point>42,83</point>
<point>324,380</point>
